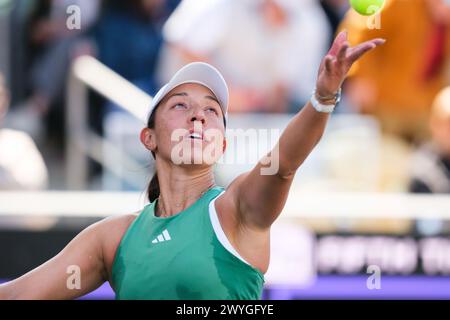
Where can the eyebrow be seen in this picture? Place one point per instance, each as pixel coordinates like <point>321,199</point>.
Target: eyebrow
<point>213,99</point>
<point>184,94</point>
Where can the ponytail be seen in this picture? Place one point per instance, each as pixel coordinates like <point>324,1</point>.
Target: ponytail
<point>153,189</point>
<point>153,186</point>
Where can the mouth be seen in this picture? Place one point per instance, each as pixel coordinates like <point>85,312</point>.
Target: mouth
<point>196,136</point>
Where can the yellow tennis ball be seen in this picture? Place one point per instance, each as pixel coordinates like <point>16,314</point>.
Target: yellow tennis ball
<point>367,7</point>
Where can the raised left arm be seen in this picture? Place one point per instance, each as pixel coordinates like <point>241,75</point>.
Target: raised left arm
<point>258,199</point>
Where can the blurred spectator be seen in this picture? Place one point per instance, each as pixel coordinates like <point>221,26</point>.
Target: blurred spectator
<point>397,83</point>
<point>431,164</point>
<point>4,98</point>
<point>129,37</point>
<point>52,46</point>
<point>267,50</point>
<point>335,11</point>
<point>21,164</point>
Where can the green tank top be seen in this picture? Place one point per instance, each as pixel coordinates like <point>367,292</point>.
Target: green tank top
<point>181,257</point>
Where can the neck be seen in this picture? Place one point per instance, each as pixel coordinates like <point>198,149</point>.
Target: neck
<point>180,187</point>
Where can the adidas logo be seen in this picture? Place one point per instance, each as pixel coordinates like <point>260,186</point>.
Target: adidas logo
<point>164,236</point>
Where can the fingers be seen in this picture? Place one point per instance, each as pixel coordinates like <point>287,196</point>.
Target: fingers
<point>340,38</point>
<point>342,52</point>
<point>358,51</point>
<point>328,63</point>
<point>344,55</point>
<point>376,42</point>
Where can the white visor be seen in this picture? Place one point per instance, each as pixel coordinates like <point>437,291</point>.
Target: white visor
<point>196,72</point>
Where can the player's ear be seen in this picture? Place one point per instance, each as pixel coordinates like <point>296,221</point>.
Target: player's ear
<point>148,138</point>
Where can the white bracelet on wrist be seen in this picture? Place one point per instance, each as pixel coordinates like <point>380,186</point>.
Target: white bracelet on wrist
<point>326,108</point>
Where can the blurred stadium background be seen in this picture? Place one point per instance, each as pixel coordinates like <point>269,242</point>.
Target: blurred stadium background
<point>374,192</point>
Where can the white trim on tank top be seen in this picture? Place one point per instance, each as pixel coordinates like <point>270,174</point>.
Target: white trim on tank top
<point>219,231</point>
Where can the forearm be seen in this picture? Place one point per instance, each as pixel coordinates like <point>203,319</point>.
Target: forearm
<point>5,292</point>
<point>75,271</point>
<point>299,139</point>
<point>307,127</point>
<point>261,195</point>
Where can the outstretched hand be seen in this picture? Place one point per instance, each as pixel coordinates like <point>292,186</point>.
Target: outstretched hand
<point>338,61</point>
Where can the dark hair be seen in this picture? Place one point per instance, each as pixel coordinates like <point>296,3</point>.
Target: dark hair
<point>153,186</point>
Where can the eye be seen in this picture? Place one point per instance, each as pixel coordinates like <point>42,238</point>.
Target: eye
<point>212,109</point>
<point>179,106</point>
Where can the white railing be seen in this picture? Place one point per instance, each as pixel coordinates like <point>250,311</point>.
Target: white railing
<point>88,73</point>
<point>356,205</point>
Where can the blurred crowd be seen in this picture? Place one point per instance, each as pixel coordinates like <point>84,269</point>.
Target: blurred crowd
<point>269,52</point>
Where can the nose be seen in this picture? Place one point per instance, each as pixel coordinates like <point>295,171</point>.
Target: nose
<point>198,115</point>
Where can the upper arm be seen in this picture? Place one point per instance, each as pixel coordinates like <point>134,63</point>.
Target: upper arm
<point>75,271</point>
<point>256,199</point>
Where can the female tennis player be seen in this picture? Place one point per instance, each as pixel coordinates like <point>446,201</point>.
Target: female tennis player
<point>195,240</point>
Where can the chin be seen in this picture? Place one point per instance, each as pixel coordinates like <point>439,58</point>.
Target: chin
<point>203,160</point>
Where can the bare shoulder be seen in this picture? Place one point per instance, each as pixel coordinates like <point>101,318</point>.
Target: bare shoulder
<point>116,224</point>
<point>111,231</point>
<point>113,228</point>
